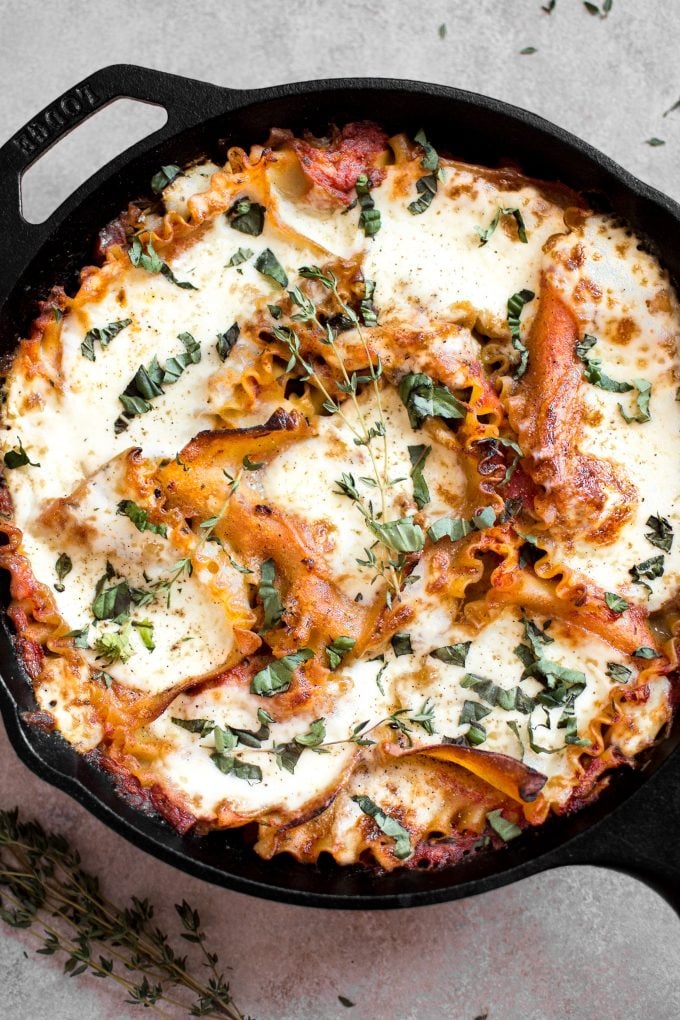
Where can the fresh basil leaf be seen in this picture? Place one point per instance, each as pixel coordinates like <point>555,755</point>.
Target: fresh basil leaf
<point>615,602</point>
<point>269,596</point>
<point>661,533</point>
<point>390,826</point>
<point>643,652</point>
<point>62,568</point>
<point>651,568</point>
<point>454,654</point>
<point>486,518</point>
<point>619,673</point>
<point>276,678</point>
<point>240,256</point>
<point>148,381</point>
<point>486,233</point>
<point>473,711</point>
<point>80,637</point>
<point>515,305</point>
<point>593,368</point>
<point>166,175</point>
<point>18,457</point>
<point>644,393</point>
<point>149,260</point>
<point>114,646</point>
<point>247,216</point>
<point>112,602</point>
<point>140,518</point>
<point>423,399</point>
<point>338,649</point>
<point>369,316</point>
<point>275,311</point>
<point>268,265</point>
<point>226,341</point>
<point>401,643</point>
<point>315,735</point>
<point>369,218</point>
<point>454,528</point>
<point>504,828</point>
<point>401,536</point>
<point>225,739</point>
<point>418,456</point>
<point>145,630</point>
<point>104,334</point>
<point>200,726</point>
<point>230,765</point>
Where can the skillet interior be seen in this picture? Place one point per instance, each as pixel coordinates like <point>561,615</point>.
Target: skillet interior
<point>466,126</point>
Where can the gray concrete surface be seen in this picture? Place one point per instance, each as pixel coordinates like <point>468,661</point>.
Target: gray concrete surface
<point>579,944</point>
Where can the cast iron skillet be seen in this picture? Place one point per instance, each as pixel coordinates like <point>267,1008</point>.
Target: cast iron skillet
<point>635,825</point>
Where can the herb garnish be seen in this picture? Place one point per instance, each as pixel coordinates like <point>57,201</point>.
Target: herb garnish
<point>485,233</point>
<point>338,649</point>
<point>615,602</point>
<point>148,381</point>
<point>369,218</point>
<point>423,398</point>
<point>390,826</point>
<point>644,392</point>
<point>278,675</point>
<point>418,455</point>
<point>226,341</point>
<point>401,643</point>
<point>661,533</point>
<point>644,652</point>
<point>651,568</point>
<point>18,457</point>
<point>268,265</point>
<point>166,175</point>
<point>104,334</point>
<point>504,828</point>
<point>511,699</point>
<point>269,596</point>
<point>456,528</point>
<point>247,216</point>
<point>62,567</point>
<point>619,673</point>
<point>595,375</point>
<point>140,518</point>
<point>454,654</point>
<point>151,262</point>
<point>240,256</point>
<point>426,186</point>
<point>515,305</point>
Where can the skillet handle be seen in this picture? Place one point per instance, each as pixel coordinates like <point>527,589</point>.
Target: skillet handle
<point>186,102</point>
<point>641,838</point>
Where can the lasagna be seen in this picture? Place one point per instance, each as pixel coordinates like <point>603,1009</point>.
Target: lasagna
<point>341,500</point>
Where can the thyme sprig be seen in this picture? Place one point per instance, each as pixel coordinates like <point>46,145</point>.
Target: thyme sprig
<point>45,891</point>
<point>363,431</point>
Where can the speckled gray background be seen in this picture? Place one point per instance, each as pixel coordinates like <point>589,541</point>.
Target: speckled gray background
<point>581,943</point>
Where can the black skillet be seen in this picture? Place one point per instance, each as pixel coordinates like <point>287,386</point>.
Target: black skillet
<point>635,825</point>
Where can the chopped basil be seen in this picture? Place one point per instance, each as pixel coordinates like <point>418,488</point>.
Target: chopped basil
<point>114,646</point>
<point>527,51</point>
<point>315,735</point>
<point>104,334</point>
<point>619,673</point>
<point>268,265</point>
<point>643,652</point>
<point>269,596</point>
<point>366,309</point>
<point>593,368</point>
<point>402,535</point>
<point>275,311</point>
<point>200,726</point>
<point>151,262</point>
<point>456,528</point>
<point>615,602</point>
<point>277,676</point>
<point>247,216</point>
<point>18,457</point>
<point>80,637</point>
<point>148,381</point>
<point>504,828</point>
<point>140,518</point>
<point>644,393</point>
<point>240,256</point>
<point>338,649</point>
<point>390,826</point>
<point>145,630</point>
<point>426,186</point>
<point>486,233</point>
<point>252,465</point>
<point>651,568</point>
<point>369,218</point>
<point>226,341</point>
<point>515,305</point>
<point>401,643</point>
<point>62,567</point>
<point>455,654</point>
<point>288,755</point>
<point>166,175</point>
<point>110,603</point>
<point>418,456</point>
<point>230,765</point>
<point>511,700</point>
<point>655,142</point>
<point>661,533</point>
<point>423,398</point>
